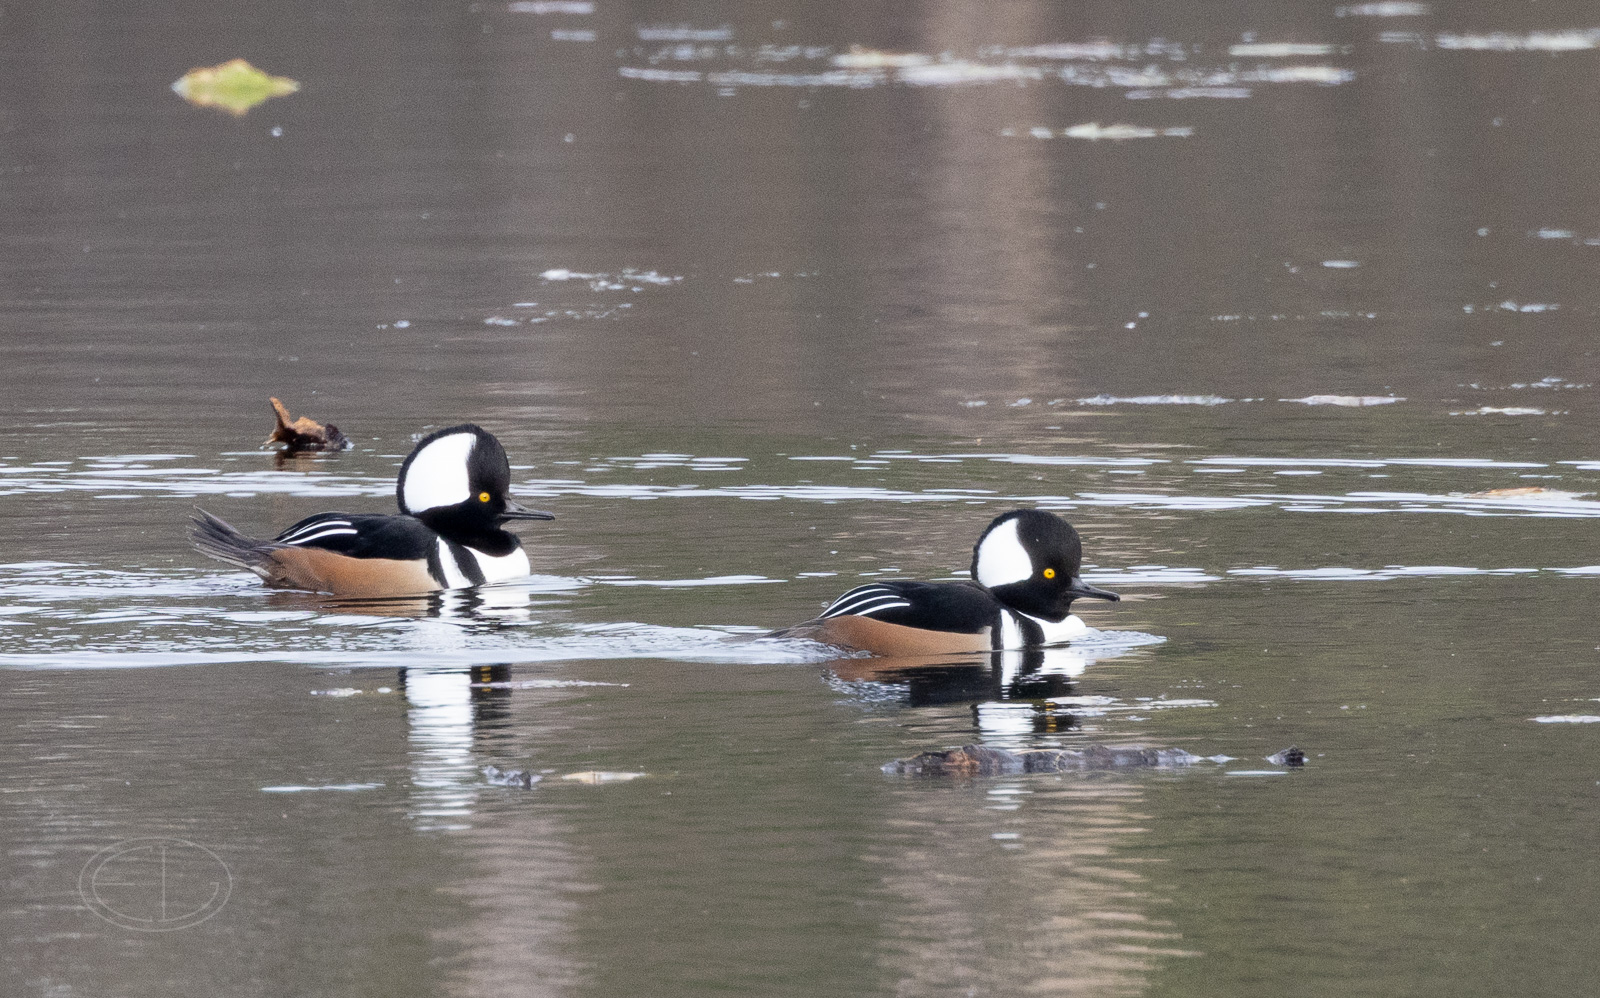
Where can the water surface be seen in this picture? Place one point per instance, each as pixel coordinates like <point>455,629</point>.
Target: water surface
<point>1288,311</point>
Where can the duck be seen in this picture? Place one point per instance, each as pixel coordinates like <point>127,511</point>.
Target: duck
<point>454,496</point>
<point>1025,576</point>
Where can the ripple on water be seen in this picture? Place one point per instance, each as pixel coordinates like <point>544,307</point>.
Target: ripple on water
<point>1208,491</point>
<point>729,58</point>
<point>64,616</point>
<point>58,614</point>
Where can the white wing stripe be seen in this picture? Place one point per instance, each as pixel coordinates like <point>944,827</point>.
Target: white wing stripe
<point>857,605</point>
<point>885,606</point>
<point>862,591</point>
<point>318,525</point>
<point>855,596</point>
<point>330,532</point>
<point>314,524</point>
<point>863,605</point>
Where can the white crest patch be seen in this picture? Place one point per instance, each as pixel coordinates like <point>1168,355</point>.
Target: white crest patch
<point>1001,557</point>
<point>437,476</point>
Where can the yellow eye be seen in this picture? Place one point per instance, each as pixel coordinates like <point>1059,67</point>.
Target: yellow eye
<point>483,497</point>
<point>1049,573</point>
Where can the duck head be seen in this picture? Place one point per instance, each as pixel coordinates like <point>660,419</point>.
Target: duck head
<point>1030,560</point>
<point>458,481</point>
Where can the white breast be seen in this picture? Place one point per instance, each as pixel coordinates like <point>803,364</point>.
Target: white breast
<point>511,566</point>
<point>1064,630</point>
<point>1011,635</point>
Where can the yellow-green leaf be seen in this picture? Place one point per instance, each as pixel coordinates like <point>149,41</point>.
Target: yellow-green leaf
<point>234,86</point>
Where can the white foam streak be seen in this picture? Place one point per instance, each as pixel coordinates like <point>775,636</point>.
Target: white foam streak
<point>627,278</point>
<point>1278,50</point>
<point>1064,460</point>
<point>1095,132</point>
<point>652,75</point>
<point>1346,574</point>
<point>577,7</point>
<point>1384,8</point>
<point>1538,41</point>
<point>962,71</point>
<point>715,580</point>
<point>1152,69</point>
<point>1347,401</point>
<point>582,643</point>
<point>1149,575</point>
<point>1154,400</point>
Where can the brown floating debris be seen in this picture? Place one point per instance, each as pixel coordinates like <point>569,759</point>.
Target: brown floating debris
<point>234,86</point>
<point>305,434</point>
<point>980,760</point>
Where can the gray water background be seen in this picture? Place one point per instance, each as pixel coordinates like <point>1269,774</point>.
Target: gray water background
<point>761,317</point>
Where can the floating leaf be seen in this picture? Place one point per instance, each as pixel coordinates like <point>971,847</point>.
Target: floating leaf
<point>234,86</point>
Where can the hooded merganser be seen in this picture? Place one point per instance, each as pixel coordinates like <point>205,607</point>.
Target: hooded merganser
<point>1024,579</point>
<point>454,498</point>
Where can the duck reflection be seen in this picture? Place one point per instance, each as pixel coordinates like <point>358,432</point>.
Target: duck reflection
<point>1039,877</point>
<point>299,460</point>
<point>515,866</point>
<point>448,708</point>
<point>1012,693</point>
<point>476,604</point>
<point>965,851</point>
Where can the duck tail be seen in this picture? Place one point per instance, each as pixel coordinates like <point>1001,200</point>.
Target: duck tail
<point>216,538</point>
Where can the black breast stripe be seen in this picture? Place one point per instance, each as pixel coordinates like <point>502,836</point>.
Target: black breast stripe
<point>1032,633</point>
<point>435,568</point>
<point>467,563</point>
